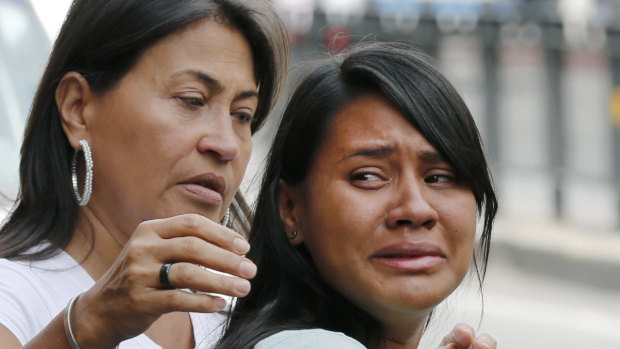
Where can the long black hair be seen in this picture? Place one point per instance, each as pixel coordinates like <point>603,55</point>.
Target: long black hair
<point>102,40</point>
<point>288,292</point>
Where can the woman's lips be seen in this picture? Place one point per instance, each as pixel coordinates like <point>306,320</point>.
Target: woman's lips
<point>411,264</point>
<point>410,256</point>
<point>208,187</point>
<point>204,194</point>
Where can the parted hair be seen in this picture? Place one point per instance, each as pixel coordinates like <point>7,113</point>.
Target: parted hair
<point>103,40</point>
<point>288,291</point>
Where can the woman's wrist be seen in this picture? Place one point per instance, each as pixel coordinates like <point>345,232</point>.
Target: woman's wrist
<point>80,332</point>
<point>68,326</point>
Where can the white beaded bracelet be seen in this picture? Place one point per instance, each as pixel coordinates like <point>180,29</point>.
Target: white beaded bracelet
<point>68,330</point>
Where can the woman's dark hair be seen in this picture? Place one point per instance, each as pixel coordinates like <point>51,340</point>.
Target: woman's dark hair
<point>288,292</point>
<point>103,40</point>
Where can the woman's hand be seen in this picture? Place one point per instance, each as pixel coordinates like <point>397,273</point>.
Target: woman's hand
<point>130,297</point>
<point>463,336</point>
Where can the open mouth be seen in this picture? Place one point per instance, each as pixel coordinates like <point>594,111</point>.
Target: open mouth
<point>208,180</point>
<point>208,187</point>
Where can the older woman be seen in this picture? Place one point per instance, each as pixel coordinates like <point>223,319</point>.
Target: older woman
<point>367,215</point>
<point>137,142</point>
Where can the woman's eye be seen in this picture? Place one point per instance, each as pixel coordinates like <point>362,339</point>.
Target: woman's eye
<point>440,178</point>
<point>366,177</point>
<point>244,117</point>
<point>192,102</point>
<point>367,180</point>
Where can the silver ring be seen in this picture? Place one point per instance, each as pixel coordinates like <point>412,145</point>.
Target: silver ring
<point>163,276</point>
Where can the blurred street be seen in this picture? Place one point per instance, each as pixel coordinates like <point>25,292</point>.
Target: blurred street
<point>524,309</point>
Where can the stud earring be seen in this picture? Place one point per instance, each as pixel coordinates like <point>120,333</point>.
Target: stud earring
<point>292,235</point>
<point>88,181</point>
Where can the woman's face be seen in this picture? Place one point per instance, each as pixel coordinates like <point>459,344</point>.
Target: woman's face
<point>173,137</point>
<point>383,215</point>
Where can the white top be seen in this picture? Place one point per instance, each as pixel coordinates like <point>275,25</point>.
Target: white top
<point>32,293</point>
<point>309,339</point>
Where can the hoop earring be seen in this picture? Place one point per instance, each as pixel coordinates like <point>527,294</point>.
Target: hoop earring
<point>88,181</point>
<point>292,235</point>
<point>226,218</point>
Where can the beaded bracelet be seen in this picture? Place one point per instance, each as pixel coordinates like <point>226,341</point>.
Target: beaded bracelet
<point>68,330</point>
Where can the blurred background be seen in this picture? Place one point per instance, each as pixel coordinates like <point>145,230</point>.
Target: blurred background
<point>542,79</point>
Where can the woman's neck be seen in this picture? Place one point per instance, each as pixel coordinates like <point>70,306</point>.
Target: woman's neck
<point>404,333</point>
<point>94,245</point>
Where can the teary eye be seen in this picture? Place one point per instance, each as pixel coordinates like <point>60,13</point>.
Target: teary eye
<point>365,176</point>
<point>441,179</point>
<point>368,180</point>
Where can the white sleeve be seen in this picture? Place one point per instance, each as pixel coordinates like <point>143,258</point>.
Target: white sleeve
<point>22,310</point>
<point>309,339</point>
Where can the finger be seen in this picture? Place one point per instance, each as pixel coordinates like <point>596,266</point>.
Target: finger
<point>187,275</point>
<point>194,250</point>
<point>201,227</point>
<point>462,336</point>
<point>484,341</point>
<point>178,300</point>
<point>449,346</point>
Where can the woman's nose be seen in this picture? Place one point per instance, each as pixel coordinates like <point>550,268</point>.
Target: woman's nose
<point>413,208</point>
<point>220,139</point>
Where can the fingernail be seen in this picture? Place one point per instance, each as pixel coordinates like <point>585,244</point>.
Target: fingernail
<point>247,269</point>
<point>242,286</point>
<point>219,304</point>
<point>462,338</point>
<point>240,245</point>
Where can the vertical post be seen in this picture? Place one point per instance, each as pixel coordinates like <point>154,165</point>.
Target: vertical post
<point>490,52</point>
<point>614,52</point>
<point>553,39</point>
<point>427,35</point>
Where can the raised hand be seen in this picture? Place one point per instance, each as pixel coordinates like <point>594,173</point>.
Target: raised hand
<point>463,336</point>
<point>130,296</point>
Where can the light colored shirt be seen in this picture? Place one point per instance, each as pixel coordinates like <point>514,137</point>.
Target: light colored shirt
<point>309,339</point>
<point>32,293</point>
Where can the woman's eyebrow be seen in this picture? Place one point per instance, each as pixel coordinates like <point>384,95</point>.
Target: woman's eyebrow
<point>212,83</point>
<point>431,156</point>
<point>205,78</point>
<point>373,152</point>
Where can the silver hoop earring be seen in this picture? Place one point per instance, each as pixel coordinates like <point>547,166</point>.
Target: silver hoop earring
<point>292,235</point>
<point>226,218</point>
<point>88,181</point>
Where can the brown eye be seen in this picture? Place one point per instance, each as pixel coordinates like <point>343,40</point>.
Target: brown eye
<point>244,117</point>
<point>368,180</point>
<point>441,179</point>
<point>192,101</point>
<point>366,177</point>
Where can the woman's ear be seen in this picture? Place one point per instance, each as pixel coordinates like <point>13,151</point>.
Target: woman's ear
<point>289,204</point>
<point>72,96</point>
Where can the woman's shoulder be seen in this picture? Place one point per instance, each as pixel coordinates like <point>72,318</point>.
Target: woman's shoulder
<point>307,339</point>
